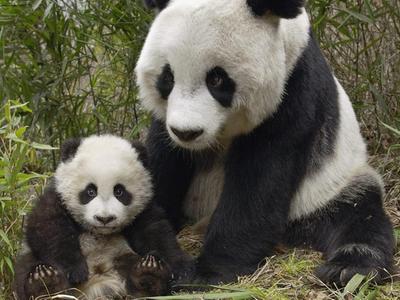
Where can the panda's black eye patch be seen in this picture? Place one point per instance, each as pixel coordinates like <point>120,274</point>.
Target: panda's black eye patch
<point>88,194</point>
<point>122,194</point>
<point>221,86</point>
<point>165,82</point>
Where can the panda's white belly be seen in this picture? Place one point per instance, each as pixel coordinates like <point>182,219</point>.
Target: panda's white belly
<point>204,192</point>
<point>100,253</point>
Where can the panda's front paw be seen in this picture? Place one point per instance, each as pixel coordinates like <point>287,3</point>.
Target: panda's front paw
<point>45,280</point>
<point>151,276</point>
<point>78,274</point>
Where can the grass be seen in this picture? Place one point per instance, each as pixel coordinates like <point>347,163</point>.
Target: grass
<point>66,69</point>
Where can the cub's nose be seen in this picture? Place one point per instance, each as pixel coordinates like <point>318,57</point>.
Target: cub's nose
<point>105,220</point>
<point>187,135</point>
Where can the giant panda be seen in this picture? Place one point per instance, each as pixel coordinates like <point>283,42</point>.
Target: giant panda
<point>252,130</point>
<point>95,228</point>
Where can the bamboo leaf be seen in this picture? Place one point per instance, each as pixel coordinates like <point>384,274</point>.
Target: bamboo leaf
<point>357,15</point>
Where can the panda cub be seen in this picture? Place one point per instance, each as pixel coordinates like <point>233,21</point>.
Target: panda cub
<point>95,229</point>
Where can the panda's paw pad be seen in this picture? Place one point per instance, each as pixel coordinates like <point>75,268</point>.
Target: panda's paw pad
<point>44,280</point>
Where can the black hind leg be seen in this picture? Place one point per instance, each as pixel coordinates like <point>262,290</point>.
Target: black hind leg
<point>354,234</point>
<point>35,278</point>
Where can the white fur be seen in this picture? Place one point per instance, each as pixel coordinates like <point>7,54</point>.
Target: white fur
<point>104,161</point>
<point>100,253</point>
<point>348,162</point>
<point>196,36</point>
<point>204,192</point>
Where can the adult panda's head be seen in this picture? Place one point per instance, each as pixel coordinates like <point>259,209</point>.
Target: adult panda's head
<point>103,182</point>
<point>215,69</point>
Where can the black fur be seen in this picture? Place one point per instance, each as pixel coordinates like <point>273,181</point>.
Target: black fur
<point>283,8</point>
<point>263,170</point>
<point>165,82</point>
<point>69,148</point>
<point>354,234</point>
<point>124,196</point>
<point>142,151</point>
<point>225,91</point>
<point>84,197</point>
<point>159,4</point>
<point>172,171</point>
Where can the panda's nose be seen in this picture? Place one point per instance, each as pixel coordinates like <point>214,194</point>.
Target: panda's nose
<point>187,135</point>
<point>105,220</point>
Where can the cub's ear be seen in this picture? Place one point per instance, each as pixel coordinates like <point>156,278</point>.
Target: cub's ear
<point>287,9</point>
<point>142,152</point>
<point>69,148</point>
<point>156,4</point>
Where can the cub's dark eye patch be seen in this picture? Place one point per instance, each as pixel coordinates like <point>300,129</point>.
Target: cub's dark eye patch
<point>88,194</point>
<point>165,82</point>
<point>221,86</point>
<point>122,194</point>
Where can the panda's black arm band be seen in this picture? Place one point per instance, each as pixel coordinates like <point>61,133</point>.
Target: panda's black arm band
<point>53,236</point>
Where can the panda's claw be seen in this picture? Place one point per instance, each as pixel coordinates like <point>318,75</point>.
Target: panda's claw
<point>152,262</point>
<point>47,270</point>
<point>41,271</point>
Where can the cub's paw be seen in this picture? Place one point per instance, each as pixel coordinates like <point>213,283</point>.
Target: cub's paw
<point>78,274</point>
<point>151,276</point>
<point>45,280</point>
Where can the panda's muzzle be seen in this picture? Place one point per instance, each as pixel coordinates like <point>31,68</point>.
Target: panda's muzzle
<point>187,135</point>
<point>105,220</point>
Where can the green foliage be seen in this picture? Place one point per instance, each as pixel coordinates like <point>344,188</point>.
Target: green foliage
<point>16,183</point>
<point>361,40</point>
<point>73,62</point>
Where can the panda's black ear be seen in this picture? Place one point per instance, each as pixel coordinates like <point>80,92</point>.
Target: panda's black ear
<point>156,4</point>
<point>69,148</point>
<point>287,9</point>
<point>142,151</point>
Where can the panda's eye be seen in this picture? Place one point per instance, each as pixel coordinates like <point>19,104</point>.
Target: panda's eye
<point>221,86</point>
<point>88,194</point>
<point>165,82</point>
<point>91,191</point>
<point>122,194</point>
<point>215,80</point>
<point>119,190</point>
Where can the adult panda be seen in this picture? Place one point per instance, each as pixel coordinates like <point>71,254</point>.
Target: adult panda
<point>251,128</point>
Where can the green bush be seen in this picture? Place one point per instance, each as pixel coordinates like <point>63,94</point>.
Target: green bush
<point>16,182</point>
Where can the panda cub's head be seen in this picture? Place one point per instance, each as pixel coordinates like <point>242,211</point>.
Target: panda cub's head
<point>215,69</point>
<point>103,182</point>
